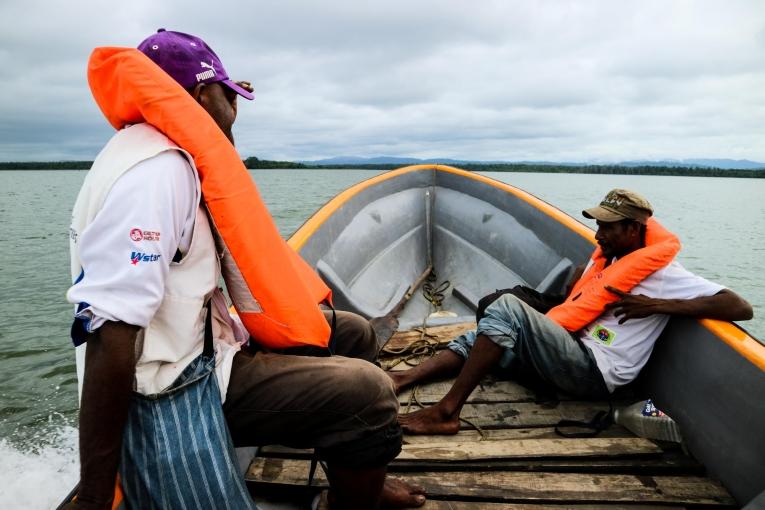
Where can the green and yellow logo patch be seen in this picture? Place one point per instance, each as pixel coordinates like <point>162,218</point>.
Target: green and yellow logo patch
<point>603,335</point>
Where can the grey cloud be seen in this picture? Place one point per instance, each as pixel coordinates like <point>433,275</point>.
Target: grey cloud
<point>507,80</point>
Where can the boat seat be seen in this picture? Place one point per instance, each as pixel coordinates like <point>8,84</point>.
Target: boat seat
<point>467,297</point>
<point>343,296</point>
<point>557,278</point>
<point>554,281</point>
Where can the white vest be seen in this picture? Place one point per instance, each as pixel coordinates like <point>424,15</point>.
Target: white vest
<point>175,335</point>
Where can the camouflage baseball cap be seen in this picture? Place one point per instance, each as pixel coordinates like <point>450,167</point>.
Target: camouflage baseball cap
<point>621,204</point>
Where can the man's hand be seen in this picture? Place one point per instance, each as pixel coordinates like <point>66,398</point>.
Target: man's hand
<point>245,85</point>
<point>726,305</point>
<point>633,306</point>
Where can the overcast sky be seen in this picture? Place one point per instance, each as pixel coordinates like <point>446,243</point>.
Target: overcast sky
<point>481,80</point>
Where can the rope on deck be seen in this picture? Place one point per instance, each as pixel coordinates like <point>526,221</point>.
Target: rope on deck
<point>424,348</point>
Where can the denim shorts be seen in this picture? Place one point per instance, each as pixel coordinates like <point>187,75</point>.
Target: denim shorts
<point>534,343</point>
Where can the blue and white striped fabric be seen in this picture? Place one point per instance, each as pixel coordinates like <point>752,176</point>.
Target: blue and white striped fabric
<point>177,452</point>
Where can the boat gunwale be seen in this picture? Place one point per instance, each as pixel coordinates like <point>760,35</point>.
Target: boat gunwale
<point>732,334</point>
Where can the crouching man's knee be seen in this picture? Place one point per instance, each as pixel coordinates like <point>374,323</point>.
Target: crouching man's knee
<point>354,337</point>
<point>377,438</point>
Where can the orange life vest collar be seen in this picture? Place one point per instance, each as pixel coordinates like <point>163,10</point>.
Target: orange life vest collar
<point>274,291</point>
<point>589,297</point>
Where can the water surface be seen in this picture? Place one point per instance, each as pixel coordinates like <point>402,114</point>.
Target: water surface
<point>720,221</point>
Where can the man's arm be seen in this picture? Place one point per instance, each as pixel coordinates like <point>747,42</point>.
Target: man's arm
<point>725,305</point>
<point>107,385</point>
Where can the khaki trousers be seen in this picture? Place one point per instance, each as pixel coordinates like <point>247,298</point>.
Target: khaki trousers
<point>344,405</point>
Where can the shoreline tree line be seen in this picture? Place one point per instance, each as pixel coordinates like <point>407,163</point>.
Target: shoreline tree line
<point>264,164</point>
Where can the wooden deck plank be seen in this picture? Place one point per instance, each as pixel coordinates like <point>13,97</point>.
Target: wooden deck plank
<point>465,436</point>
<point>514,433</point>
<point>520,487</point>
<point>450,449</point>
<point>525,414</point>
<point>478,505</point>
<point>491,390</point>
<point>434,334</point>
<point>528,448</point>
<point>666,464</point>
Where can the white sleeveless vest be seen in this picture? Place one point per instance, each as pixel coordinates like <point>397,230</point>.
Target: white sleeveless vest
<point>175,335</point>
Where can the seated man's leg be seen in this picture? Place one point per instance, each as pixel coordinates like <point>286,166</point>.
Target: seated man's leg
<point>354,336</point>
<point>343,407</point>
<point>446,363</point>
<point>537,345</point>
<point>443,417</point>
<point>508,321</point>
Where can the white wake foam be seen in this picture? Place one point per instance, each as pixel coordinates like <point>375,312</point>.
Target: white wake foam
<point>40,475</point>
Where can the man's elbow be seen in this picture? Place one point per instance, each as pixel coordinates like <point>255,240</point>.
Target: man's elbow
<point>740,308</point>
<point>746,312</point>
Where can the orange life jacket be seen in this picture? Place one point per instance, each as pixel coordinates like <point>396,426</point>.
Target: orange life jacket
<point>589,297</point>
<point>275,292</point>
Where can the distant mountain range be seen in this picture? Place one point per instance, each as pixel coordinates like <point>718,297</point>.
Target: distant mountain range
<point>739,164</point>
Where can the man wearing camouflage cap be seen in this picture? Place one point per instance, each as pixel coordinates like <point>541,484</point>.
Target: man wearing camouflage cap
<point>589,360</point>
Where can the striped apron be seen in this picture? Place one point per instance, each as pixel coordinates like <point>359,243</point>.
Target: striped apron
<point>176,451</point>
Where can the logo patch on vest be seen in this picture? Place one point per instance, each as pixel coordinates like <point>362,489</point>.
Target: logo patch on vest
<point>603,335</point>
<point>137,256</point>
<point>137,235</point>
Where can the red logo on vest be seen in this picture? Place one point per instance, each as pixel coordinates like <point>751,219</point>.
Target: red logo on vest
<point>136,234</point>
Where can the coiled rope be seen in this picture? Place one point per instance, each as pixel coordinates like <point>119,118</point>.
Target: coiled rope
<point>433,292</point>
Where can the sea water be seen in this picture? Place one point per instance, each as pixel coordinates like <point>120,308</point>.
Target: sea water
<point>721,222</point>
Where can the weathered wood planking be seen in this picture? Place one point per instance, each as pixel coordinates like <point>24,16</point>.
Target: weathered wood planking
<point>666,464</point>
<point>498,434</point>
<point>466,436</point>
<point>490,390</point>
<point>435,334</point>
<point>525,448</point>
<point>525,487</point>
<point>451,449</point>
<point>519,462</point>
<point>477,505</point>
<point>525,414</point>
<point>674,463</point>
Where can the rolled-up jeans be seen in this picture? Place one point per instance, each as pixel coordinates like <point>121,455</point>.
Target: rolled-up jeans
<point>534,343</point>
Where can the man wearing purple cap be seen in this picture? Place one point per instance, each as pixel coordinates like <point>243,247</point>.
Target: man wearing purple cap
<point>193,64</point>
<point>143,323</point>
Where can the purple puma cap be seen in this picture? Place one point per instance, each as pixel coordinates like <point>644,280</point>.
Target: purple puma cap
<point>188,59</point>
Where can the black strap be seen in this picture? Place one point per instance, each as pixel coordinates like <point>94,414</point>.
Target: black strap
<point>333,328</point>
<point>600,422</point>
<point>208,351</point>
<point>315,462</point>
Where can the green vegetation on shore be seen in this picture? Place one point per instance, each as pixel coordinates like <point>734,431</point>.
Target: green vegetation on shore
<point>255,163</point>
<point>46,165</point>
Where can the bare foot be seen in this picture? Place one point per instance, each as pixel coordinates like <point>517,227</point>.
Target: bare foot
<point>431,420</point>
<point>399,494</point>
